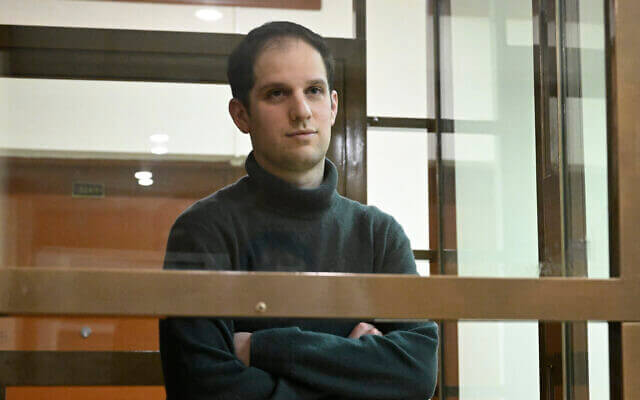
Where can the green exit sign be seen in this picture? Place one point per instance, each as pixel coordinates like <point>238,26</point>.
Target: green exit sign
<point>84,189</point>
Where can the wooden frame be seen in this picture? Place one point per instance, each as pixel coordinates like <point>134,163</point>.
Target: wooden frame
<point>58,291</point>
<point>92,292</point>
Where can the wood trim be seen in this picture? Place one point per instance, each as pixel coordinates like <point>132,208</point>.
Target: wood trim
<point>625,145</point>
<point>392,122</point>
<point>612,143</point>
<point>60,291</point>
<point>80,368</point>
<point>425,254</point>
<point>286,4</point>
<point>631,360</point>
<point>360,18</point>
<point>446,125</point>
<point>130,55</point>
<point>355,109</point>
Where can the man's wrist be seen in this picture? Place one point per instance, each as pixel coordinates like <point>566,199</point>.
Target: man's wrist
<point>242,344</point>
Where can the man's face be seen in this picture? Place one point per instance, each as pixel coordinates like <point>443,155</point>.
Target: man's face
<point>291,110</point>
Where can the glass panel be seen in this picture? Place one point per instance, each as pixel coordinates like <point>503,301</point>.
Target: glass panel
<point>334,19</point>
<point>69,152</point>
<point>539,135</point>
<point>492,153</point>
<point>594,130</point>
<point>397,180</point>
<point>498,360</point>
<point>526,172</point>
<point>396,59</point>
<point>423,267</point>
<point>586,183</point>
<point>511,368</point>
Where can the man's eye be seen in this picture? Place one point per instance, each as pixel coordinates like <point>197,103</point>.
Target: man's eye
<point>274,94</point>
<point>315,90</point>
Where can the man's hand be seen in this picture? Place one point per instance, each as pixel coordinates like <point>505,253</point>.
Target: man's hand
<point>364,329</point>
<point>242,344</point>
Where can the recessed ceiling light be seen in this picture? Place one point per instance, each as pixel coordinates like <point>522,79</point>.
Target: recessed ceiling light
<point>159,150</point>
<point>143,175</point>
<point>145,182</point>
<point>208,14</point>
<point>159,138</point>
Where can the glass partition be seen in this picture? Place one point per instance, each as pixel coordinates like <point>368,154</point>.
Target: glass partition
<point>524,165</point>
<point>504,174</point>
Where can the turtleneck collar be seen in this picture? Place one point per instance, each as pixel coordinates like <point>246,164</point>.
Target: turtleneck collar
<point>284,197</point>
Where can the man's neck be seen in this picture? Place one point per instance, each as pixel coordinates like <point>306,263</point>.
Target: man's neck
<point>309,179</point>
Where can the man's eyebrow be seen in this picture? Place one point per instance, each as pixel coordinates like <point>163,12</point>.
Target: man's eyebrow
<point>270,85</point>
<point>320,82</point>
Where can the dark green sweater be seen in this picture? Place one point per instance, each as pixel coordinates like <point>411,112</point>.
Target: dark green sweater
<point>262,223</point>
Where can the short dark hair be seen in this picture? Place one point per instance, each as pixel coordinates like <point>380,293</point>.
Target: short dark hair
<point>240,70</point>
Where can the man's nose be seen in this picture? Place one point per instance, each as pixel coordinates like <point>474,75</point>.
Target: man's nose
<point>300,109</point>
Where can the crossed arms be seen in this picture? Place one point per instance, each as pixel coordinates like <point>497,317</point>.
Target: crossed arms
<point>199,362</point>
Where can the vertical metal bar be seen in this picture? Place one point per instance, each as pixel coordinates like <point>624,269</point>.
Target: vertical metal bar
<point>567,373</point>
<point>433,11</point>
<point>561,93</point>
<point>612,143</point>
<point>438,132</point>
<point>615,328</point>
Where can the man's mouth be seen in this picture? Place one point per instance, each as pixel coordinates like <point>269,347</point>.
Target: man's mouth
<point>304,132</point>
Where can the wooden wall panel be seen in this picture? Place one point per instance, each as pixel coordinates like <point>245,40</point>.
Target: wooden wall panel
<point>128,227</point>
<point>87,392</point>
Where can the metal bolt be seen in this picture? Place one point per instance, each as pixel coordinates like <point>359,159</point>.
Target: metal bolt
<point>261,307</point>
<point>85,332</point>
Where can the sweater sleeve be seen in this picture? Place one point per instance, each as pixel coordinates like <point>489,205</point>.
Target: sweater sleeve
<point>402,364</point>
<point>398,365</point>
<point>198,356</point>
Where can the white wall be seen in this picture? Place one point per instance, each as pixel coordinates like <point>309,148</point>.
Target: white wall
<point>397,180</point>
<point>396,58</point>
<point>117,118</point>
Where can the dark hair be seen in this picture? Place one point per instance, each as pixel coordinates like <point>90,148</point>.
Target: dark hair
<point>243,58</point>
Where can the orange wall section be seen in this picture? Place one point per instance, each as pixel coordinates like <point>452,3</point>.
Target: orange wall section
<point>86,392</point>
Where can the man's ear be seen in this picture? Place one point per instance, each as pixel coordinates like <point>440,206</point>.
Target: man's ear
<point>239,114</point>
<point>334,106</point>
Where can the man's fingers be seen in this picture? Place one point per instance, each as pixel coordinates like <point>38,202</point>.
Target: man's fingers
<point>359,330</point>
<point>364,328</point>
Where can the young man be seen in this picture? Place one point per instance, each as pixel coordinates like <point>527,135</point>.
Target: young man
<point>287,216</point>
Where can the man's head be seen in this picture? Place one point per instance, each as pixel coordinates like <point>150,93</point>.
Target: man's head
<point>240,69</point>
<point>289,106</point>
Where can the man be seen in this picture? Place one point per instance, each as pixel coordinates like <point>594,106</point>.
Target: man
<point>287,216</point>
